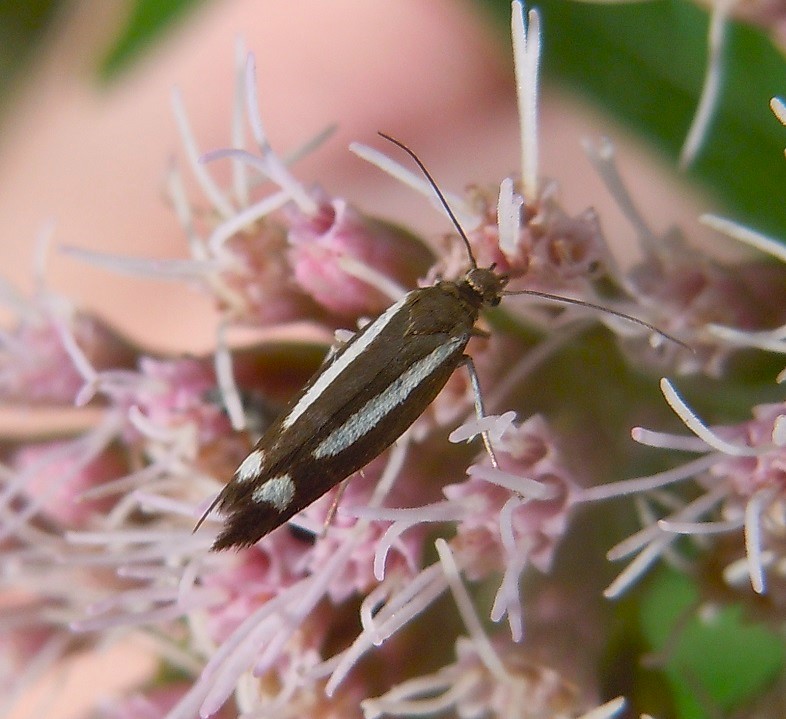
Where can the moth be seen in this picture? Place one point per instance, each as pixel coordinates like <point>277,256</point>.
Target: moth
<point>362,399</point>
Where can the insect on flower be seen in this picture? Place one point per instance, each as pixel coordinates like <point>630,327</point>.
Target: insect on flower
<point>363,397</point>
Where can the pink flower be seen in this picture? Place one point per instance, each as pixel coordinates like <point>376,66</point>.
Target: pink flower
<point>327,611</point>
<point>487,675</point>
<point>58,480</point>
<point>527,451</point>
<point>742,472</point>
<point>350,264</point>
<point>259,286</point>
<point>357,577</point>
<point>153,703</point>
<point>686,293</point>
<point>470,687</point>
<point>251,578</point>
<point>35,366</point>
<point>544,247</point>
<point>175,393</point>
<point>499,527</point>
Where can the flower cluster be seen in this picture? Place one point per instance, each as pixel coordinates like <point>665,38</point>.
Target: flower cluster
<point>335,613</point>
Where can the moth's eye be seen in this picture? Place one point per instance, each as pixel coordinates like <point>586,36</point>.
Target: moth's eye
<point>495,301</point>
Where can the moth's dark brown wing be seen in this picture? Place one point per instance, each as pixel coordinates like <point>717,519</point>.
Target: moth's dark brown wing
<point>246,524</point>
<point>366,407</point>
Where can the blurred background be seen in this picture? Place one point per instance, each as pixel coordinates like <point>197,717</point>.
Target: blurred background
<point>86,129</point>
<point>87,133</point>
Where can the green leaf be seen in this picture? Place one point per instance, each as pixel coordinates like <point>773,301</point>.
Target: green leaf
<point>644,64</point>
<point>722,659</point>
<point>24,25</point>
<point>147,21</point>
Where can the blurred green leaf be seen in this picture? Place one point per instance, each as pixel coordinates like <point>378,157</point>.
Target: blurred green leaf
<point>725,659</point>
<point>23,28</point>
<point>644,63</point>
<point>147,21</point>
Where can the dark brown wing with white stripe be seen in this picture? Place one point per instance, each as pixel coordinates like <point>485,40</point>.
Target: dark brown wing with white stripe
<point>353,409</point>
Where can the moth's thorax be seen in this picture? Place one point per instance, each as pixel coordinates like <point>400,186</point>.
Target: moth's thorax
<point>482,286</point>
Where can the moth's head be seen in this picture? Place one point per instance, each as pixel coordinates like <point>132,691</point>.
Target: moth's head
<point>487,284</point>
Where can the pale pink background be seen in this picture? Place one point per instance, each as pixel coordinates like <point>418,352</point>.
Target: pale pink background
<point>431,73</point>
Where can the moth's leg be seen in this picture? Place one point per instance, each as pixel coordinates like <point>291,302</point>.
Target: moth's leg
<point>479,409</point>
<point>331,513</point>
<point>392,469</point>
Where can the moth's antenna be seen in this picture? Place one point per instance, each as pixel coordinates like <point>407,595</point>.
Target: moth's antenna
<point>531,293</point>
<point>436,189</point>
<point>616,313</point>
